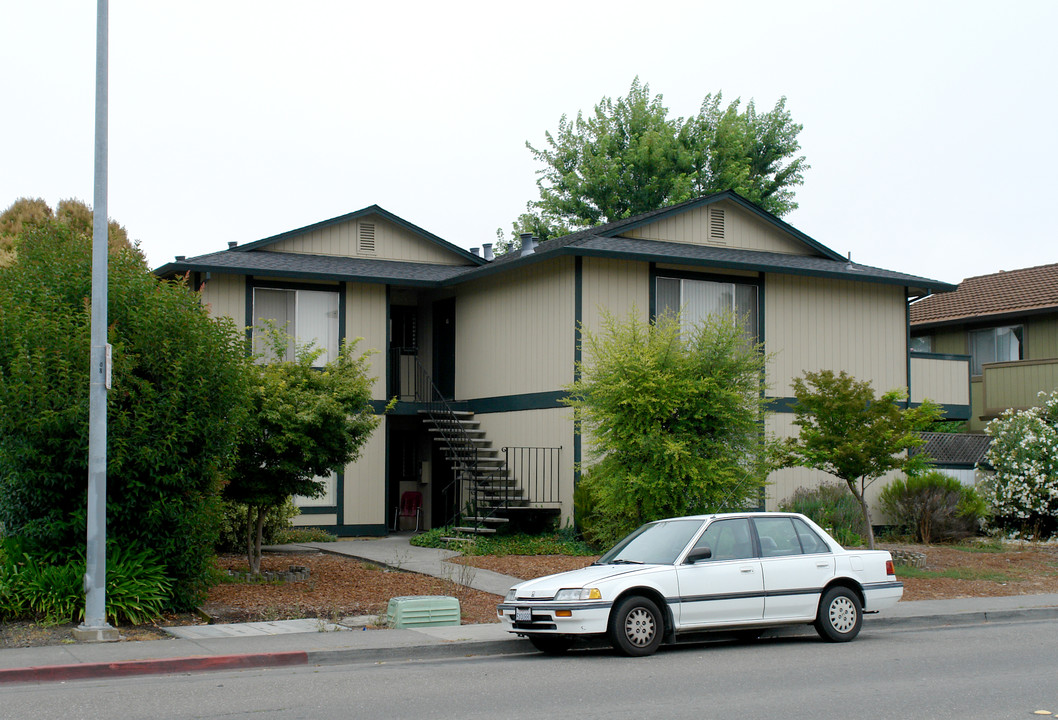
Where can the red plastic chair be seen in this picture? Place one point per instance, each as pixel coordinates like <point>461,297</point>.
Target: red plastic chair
<point>410,506</point>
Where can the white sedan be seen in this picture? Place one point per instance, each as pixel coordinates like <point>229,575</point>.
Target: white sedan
<point>739,572</point>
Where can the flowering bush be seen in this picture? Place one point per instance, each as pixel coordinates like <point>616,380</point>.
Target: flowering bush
<point>1023,492</point>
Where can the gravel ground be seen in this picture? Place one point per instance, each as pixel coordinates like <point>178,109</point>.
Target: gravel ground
<point>339,587</point>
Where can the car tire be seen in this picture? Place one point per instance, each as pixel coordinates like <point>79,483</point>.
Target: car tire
<point>840,615</point>
<point>636,627</point>
<point>551,644</point>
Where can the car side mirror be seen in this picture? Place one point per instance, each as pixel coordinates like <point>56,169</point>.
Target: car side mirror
<point>698,553</point>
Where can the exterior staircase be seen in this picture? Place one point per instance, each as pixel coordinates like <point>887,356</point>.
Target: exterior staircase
<point>480,474</point>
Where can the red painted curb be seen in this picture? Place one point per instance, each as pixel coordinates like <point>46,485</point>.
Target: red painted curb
<point>125,668</point>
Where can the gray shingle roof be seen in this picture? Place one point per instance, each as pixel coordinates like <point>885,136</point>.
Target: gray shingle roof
<point>954,449</point>
<point>315,267</point>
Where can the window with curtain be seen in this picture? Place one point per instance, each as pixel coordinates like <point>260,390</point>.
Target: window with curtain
<point>307,316</point>
<point>998,344</point>
<point>699,299</point>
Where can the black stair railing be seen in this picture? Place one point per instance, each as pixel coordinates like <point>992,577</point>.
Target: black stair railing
<point>457,442</point>
<point>532,474</point>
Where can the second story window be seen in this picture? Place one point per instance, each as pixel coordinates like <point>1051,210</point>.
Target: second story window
<point>700,299</point>
<point>922,343</point>
<point>998,344</point>
<point>307,316</point>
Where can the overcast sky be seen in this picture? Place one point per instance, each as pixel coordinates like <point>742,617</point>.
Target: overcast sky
<point>929,126</point>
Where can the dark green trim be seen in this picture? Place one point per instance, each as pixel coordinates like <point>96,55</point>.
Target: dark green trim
<point>907,341</point>
<point>652,302</point>
<point>785,405</point>
<point>513,403</point>
<point>355,530</point>
<point>319,510</point>
<point>939,356</point>
<point>578,350</point>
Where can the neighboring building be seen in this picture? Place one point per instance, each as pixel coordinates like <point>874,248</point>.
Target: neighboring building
<point>1007,324</point>
<point>956,454</point>
<point>500,338</point>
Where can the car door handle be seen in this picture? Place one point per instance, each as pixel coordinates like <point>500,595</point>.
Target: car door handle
<point>822,564</point>
<point>747,570</point>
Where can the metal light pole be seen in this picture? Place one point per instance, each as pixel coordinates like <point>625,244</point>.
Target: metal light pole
<point>95,627</point>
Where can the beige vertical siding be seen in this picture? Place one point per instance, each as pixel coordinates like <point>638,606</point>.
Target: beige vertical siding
<point>514,332</point>
<point>943,381</point>
<point>816,324</point>
<point>950,342</point>
<point>1041,338</point>
<point>392,242</point>
<point>365,317</point>
<point>616,287</point>
<point>977,405</point>
<point>364,501</point>
<point>225,296</point>
<point>741,230</point>
<point>1017,384</point>
<point>537,428</point>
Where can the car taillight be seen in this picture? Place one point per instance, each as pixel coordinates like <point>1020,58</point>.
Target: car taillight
<point>889,569</point>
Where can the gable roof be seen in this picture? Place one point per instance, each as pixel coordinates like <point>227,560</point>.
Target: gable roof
<point>599,241</point>
<point>1025,291</point>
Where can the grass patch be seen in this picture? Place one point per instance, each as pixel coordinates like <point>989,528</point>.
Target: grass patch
<point>562,542</point>
<point>908,571</point>
<point>983,546</point>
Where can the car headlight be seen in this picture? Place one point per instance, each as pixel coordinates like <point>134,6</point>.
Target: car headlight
<point>512,595</point>
<point>568,594</point>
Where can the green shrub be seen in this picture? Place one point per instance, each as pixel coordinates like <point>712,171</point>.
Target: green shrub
<point>302,534</point>
<point>933,506</point>
<point>559,542</point>
<point>233,529</point>
<point>44,588</point>
<point>177,401</point>
<point>833,508</point>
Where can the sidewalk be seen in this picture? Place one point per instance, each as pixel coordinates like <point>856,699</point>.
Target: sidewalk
<point>308,642</point>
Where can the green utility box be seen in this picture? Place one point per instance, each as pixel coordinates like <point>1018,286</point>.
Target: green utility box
<point>415,611</point>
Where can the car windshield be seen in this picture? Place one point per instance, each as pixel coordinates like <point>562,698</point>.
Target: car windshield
<point>658,543</point>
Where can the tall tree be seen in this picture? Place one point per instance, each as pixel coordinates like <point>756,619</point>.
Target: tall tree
<point>26,212</point>
<point>178,396</point>
<point>629,157</point>
<point>304,422</point>
<point>674,420</point>
<point>848,432</point>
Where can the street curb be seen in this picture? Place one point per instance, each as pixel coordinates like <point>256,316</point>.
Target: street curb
<point>128,668</point>
<point>980,617</point>
<point>479,648</point>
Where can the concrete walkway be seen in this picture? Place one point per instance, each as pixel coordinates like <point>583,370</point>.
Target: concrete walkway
<point>309,642</point>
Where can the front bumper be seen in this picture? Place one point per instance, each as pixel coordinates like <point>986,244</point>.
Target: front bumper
<point>583,618</point>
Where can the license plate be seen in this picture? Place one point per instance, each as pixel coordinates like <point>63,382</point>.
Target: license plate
<point>523,615</point>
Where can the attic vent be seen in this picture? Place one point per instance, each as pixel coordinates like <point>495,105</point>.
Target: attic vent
<point>716,224</point>
<point>366,241</point>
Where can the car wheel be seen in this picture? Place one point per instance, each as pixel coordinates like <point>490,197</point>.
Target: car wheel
<point>636,626</point>
<point>551,644</point>
<point>840,615</point>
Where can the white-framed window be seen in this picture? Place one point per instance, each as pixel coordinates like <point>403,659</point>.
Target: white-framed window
<point>700,299</point>
<point>998,344</point>
<point>329,497</point>
<point>922,343</point>
<point>308,316</point>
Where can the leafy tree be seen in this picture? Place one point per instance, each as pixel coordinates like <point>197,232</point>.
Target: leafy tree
<point>178,396</point>
<point>674,419</point>
<point>25,212</point>
<point>1023,490</point>
<point>848,432</point>
<point>630,157</point>
<point>304,422</point>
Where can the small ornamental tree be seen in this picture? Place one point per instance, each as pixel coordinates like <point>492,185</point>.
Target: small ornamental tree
<point>1023,491</point>
<point>304,422</point>
<point>675,421</point>
<point>848,432</point>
